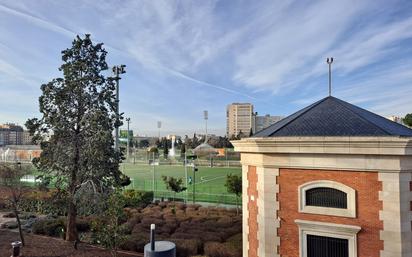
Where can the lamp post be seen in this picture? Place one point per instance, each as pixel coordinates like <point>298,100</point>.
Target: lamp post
<point>329,61</point>
<point>117,70</point>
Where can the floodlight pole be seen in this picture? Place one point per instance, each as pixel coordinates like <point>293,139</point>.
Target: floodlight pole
<point>159,125</point>
<point>205,115</point>
<point>128,139</point>
<point>186,172</point>
<point>329,61</point>
<point>117,70</point>
<point>154,177</point>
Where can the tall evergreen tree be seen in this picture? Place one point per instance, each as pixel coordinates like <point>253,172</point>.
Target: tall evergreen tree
<point>75,129</point>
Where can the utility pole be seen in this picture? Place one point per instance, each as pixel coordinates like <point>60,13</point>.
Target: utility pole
<point>128,140</point>
<point>329,61</point>
<point>117,70</point>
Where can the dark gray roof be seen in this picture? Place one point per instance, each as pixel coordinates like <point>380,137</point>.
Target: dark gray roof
<point>334,117</point>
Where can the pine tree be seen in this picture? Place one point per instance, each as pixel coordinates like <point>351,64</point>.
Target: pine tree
<point>75,130</point>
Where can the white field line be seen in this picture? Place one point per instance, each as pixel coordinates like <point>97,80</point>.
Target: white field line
<point>203,180</point>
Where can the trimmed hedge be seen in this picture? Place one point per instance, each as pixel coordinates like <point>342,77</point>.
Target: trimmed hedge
<point>135,198</point>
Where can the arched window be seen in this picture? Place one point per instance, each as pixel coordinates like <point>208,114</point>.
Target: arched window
<point>327,198</point>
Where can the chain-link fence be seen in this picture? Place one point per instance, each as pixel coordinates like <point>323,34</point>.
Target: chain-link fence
<point>205,194</point>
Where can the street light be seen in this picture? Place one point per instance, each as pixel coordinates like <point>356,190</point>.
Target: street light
<point>117,70</point>
<point>329,61</point>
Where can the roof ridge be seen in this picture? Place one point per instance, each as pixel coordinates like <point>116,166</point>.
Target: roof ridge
<point>344,104</point>
<point>305,110</point>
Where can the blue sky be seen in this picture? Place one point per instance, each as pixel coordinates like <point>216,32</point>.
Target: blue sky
<point>184,57</point>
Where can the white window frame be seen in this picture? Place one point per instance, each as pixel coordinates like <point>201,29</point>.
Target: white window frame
<point>325,229</point>
<point>349,212</point>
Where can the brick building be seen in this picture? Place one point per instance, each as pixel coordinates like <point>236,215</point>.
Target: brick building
<point>331,180</point>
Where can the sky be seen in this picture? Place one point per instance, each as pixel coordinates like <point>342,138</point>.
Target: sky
<point>184,57</point>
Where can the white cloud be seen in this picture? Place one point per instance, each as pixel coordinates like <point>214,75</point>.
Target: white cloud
<point>272,50</point>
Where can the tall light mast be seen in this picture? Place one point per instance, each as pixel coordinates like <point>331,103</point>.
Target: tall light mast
<point>117,70</point>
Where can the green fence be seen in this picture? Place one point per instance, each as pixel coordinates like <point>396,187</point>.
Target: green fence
<point>203,195</point>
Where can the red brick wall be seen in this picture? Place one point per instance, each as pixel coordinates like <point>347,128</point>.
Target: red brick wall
<point>253,211</point>
<point>368,205</point>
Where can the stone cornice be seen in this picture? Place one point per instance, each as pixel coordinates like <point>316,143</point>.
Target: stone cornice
<point>327,145</point>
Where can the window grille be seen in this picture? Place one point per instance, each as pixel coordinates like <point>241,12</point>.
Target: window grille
<point>320,246</point>
<point>326,197</point>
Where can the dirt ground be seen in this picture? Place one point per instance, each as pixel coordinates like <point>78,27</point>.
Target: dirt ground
<point>40,246</point>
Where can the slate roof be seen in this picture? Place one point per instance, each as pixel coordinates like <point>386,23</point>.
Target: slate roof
<point>334,117</point>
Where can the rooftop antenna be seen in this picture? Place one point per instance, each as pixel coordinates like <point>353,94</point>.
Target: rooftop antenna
<point>329,61</point>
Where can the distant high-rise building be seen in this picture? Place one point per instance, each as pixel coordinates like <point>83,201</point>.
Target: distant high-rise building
<point>11,134</point>
<point>239,119</point>
<point>27,138</point>
<point>262,122</point>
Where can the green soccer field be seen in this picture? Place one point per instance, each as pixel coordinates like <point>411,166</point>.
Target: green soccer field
<point>209,184</point>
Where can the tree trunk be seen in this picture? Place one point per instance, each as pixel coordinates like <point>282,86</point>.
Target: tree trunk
<point>19,225</point>
<point>71,231</point>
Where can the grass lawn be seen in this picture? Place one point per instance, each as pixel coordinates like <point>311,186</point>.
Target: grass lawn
<point>210,182</point>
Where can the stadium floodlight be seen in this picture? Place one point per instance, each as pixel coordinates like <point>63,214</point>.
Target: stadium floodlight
<point>117,70</point>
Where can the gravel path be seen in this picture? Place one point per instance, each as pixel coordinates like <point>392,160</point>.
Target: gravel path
<point>4,220</point>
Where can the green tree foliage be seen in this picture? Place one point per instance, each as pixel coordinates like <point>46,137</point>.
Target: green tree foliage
<point>220,142</point>
<point>182,150</point>
<point>144,143</point>
<point>107,231</point>
<point>188,142</point>
<point>174,184</point>
<point>234,186</point>
<point>75,130</point>
<point>10,180</point>
<point>407,120</point>
<point>195,142</point>
<point>165,151</point>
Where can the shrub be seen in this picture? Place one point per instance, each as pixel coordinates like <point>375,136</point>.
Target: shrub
<point>49,227</point>
<point>215,249</point>
<point>187,247</point>
<point>50,202</point>
<point>82,225</point>
<point>135,242</point>
<point>134,198</point>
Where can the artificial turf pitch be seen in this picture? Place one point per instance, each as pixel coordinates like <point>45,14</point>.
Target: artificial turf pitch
<point>209,184</point>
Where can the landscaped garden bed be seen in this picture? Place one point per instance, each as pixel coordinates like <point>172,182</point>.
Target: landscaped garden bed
<point>41,246</point>
<point>196,230</point>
